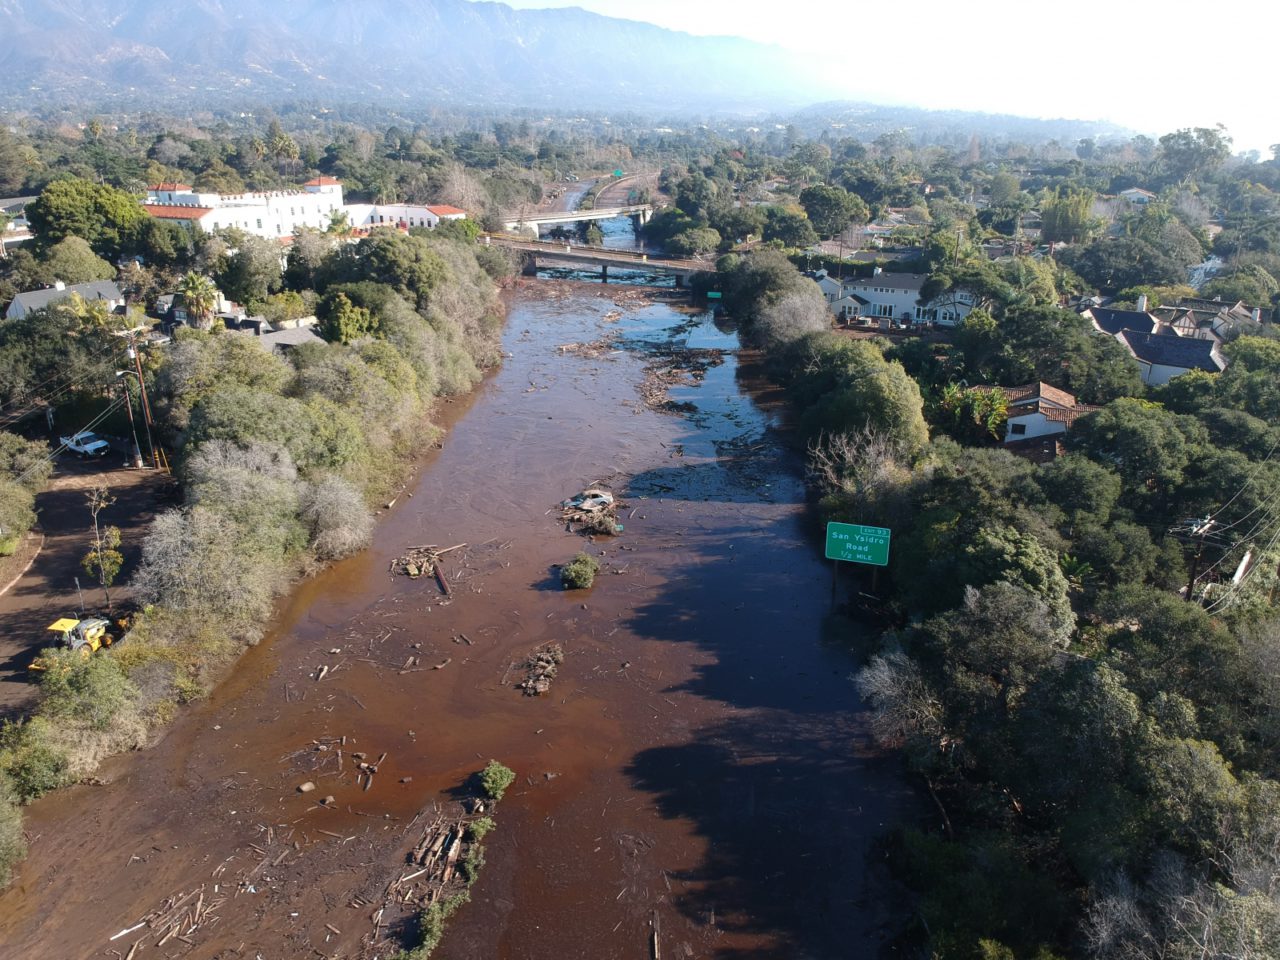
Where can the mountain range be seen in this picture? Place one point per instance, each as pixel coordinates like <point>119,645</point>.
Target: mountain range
<point>219,52</point>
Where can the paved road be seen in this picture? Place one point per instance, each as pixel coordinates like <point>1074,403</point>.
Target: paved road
<point>47,590</point>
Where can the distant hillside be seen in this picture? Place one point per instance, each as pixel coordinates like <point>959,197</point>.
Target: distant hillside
<point>219,52</point>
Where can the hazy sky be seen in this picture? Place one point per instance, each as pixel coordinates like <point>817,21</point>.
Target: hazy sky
<point>1150,66</point>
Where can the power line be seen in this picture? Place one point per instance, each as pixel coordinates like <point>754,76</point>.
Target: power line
<point>62,447</point>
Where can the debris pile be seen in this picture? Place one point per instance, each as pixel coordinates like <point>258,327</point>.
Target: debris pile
<point>594,510</point>
<point>424,561</point>
<point>540,670</point>
<point>440,867</point>
<point>593,350</point>
<point>676,367</point>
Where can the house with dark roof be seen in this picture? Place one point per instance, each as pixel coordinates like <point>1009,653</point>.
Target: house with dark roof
<point>1210,319</point>
<point>1165,356</point>
<point>1115,322</point>
<point>24,303</point>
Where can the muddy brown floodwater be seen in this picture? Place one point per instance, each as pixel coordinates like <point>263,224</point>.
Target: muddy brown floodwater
<point>700,759</point>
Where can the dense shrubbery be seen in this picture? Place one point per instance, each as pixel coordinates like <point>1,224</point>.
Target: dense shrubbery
<point>495,778</point>
<point>1102,750</point>
<point>580,572</point>
<point>280,459</point>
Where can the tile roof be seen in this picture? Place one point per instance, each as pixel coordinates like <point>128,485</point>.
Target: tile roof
<point>1068,417</point>
<point>1115,321</point>
<point>1187,353</point>
<point>1034,393</point>
<point>171,187</point>
<point>446,211</point>
<point>323,182</point>
<point>175,211</point>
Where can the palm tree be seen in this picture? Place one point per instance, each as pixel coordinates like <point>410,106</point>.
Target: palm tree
<point>199,295</point>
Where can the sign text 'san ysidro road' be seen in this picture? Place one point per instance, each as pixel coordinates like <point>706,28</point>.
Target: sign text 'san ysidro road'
<point>858,544</point>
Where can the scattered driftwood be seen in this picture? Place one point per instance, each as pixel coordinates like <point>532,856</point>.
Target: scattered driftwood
<point>593,350</point>
<point>540,670</point>
<point>594,510</point>
<point>178,916</point>
<point>675,367</point>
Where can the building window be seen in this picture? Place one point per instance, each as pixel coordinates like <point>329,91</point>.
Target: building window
<point>1017,429</point>
<point>259,223</point>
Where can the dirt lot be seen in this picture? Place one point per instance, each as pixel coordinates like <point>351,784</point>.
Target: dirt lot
<point>47,590</point>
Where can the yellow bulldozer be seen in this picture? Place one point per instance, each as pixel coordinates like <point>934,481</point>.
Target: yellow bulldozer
<point>85,635</point>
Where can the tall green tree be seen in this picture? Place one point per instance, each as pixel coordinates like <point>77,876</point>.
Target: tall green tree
<point>106,218</point>
<point>199,296</point>
<point>832,209</point>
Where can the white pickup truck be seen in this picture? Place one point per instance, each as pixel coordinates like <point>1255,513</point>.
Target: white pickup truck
<point>86,444</point>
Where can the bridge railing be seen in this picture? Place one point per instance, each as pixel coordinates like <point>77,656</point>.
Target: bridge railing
<point>562,248</point>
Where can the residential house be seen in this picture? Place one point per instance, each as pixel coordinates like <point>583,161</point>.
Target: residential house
<point>1138,196</point>
<point>1039,410</point>
<point>15,229</point>
<point>1210,319</point>
<point>896,297</point>
<point>104,290</point>
<point>1163,356</point>
<point>1114,322</point>
<point>278,342</point>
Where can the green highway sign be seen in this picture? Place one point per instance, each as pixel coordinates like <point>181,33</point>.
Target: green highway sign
<point>858,544</point>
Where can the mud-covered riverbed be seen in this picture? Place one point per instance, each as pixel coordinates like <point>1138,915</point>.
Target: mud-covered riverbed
<point>698,759</point>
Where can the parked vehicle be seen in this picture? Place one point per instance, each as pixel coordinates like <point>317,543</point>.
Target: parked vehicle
<point>86,444</point>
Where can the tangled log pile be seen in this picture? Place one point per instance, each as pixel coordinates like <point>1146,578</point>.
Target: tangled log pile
<point>441,867</point>
<point>540,669</point>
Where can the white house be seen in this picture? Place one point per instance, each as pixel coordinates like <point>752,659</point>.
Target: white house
<point>1169,343</point>
<point>1138,196</point>
<point>276,214</point>
<point>24,303</point>
<point>896,297</point>
<point>1163,356</point>
<point>1039,410</point>
<point>366,216</point>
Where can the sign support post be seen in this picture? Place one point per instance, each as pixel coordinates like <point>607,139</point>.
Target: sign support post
<point>856,543</point>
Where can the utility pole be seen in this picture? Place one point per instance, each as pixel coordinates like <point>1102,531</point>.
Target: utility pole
<point>146,406</point>
<point>1199,529</point>
<point>133,427</point>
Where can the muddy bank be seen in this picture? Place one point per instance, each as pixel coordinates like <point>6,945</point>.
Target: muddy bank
<point>698,758</point>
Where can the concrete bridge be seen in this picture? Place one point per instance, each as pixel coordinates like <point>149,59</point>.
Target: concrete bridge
<point>531,225</point>
<point>603,257</point>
